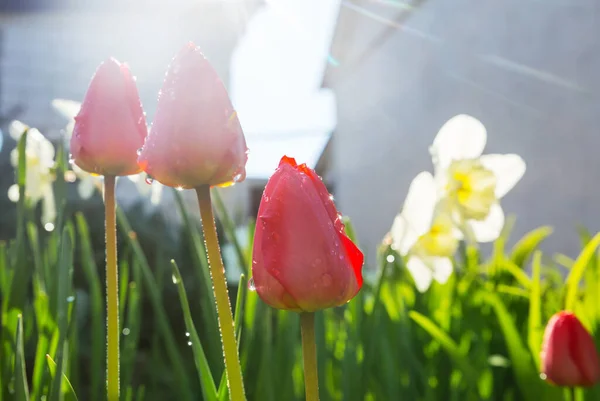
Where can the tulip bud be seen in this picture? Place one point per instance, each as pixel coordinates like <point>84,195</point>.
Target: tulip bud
<point>302,258</point>
<point>110,126</point>
<point>196,138</point>
<point>569,356</point>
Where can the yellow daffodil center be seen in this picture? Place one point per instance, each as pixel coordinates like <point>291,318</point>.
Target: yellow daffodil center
<point>472,187</point>
<point>439,240</point>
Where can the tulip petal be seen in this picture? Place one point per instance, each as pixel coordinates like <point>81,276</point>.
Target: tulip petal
<point>489,229</point>
<point>421,273</point>
<point>461,137</point>
<point>508,169</point>
<point>356,259</point>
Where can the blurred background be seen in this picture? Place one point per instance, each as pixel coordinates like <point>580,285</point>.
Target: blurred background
<point>356,88</point>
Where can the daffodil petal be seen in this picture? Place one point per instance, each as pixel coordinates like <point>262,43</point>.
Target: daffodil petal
<point>421,273</point>
<point>420,202</point>
<point>156,193</point>
<point>13,193</point>
<point>68,108</point>
<point>16,129</point>
<point>403,236</point>
<point>461,137</point>
<point>489,229</point>
<point>48,206</point>
<point>508,169</point>
<point>442,269</point>
<point>86,187</point>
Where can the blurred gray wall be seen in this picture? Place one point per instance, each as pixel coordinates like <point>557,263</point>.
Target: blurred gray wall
<point>529,70</point>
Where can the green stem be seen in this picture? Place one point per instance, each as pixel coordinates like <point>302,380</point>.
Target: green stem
<point>224,314</point>
<point>112,291</point>
<point>572,391</point>
<point>309,352</point>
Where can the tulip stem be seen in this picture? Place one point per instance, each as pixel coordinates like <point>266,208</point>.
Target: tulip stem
<point>112,291</point>
<point>572,392</point>
<point>309,352</point>
<point>224,314</point>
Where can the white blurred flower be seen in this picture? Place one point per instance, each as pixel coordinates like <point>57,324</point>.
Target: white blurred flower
<point>68,109</point>
<point>39,164</point>
<point>147,186</point>
<point>425,234</point>
<point>471,183</point>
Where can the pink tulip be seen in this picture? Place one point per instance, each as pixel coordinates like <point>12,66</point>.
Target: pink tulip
<point>569,356</point>
<point>302,258</point>
<point>110,126</point>
<point>196,138</point>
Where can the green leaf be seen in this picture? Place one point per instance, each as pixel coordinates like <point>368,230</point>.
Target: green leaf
<point>183,387</point>
<point>65,266</point>
<point>67,388</point>
<point>525,373</point>
<point>97,332</point>
<point>21,387</point>
<point>529,243</point>
<point>535,329</point>
<point>209,390</point>
<point>576,272</point>
<point>460,359</point>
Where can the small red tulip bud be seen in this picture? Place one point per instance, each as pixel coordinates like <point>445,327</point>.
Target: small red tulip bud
<point>569,356</point>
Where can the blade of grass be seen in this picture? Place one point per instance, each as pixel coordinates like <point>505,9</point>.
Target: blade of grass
<point>525,374</point>
<point>528,244</point>
<point>209,390</point>
<point>69,392</point>
<point>90,271</point>
<point>21,387</point>
<point>584,258</point>
<point>230,233</point>
<point>64,279</point>
<point>183,388</point>
<point>131,333</point>
<point>535,328</point>
<point>449,345</point>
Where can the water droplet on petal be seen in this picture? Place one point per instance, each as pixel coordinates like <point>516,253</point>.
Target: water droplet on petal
<point>237,177</point>
<point>70,298</point>
<point>331,198</point>
<point>251,285</point>
<point>149,180</point>
<point>126,331</point>
<point>175,279</point>
<point>179,189</point>
<point>543,376</point>
<point>139,151</point>
<point>71,159</point>
<point>326,279</point>
<point>49,227</point>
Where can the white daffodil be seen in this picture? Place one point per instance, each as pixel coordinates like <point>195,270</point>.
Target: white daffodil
<point>68,109</point>
<point>39,164</point>
<point>146,186</point>
<point>424,232</point>
<point>471,183</point>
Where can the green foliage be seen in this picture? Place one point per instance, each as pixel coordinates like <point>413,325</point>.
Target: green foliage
<point>476,337</point>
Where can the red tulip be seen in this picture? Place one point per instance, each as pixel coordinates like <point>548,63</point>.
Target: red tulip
<point>569,356</point>
<point>110,126</point>
<point>196,138</point>
<point>302,259</point>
